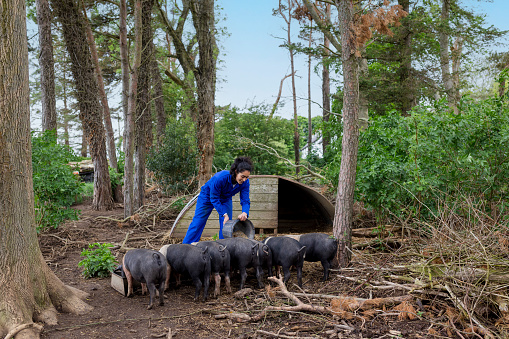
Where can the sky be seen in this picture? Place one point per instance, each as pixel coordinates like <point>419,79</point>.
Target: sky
<point>253,64</point>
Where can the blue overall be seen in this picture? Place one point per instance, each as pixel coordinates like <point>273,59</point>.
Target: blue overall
<point>216,193</point>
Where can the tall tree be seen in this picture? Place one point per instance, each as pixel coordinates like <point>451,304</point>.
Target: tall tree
<point>130,116</point>
<point>47,68</point>
<point>143,116</point>
<point>30,290</point>
<point>157,90</point>
<point>326,108</point>
<point>444,54</point>
<point>110,136</point>
<point>73,27</point>
<point>124,60</point>
<point>287,17</point>
<point>201,77</point>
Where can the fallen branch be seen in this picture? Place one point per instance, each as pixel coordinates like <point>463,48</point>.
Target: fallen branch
<point>275,335</point>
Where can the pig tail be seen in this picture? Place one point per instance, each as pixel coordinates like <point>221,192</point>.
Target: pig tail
<point>240,165</point>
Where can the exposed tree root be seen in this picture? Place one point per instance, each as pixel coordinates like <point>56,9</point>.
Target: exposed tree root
<point>34,332</point>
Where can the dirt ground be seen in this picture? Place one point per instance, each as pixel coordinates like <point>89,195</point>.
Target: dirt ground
<point>115,316</point>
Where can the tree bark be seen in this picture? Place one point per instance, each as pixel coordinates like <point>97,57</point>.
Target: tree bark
<point>29,288</point>
<point>47,68</point>
<point>203,21</point>
<point>129,120</point>
<point>296,141</point>
<point>110,136</point>
<point>405,71</point>
<point>84,144</point>
<point>157,90</point>
<point>343,216</point>
<point>310,125</point>
<point>456,63</point>
<point>74,32</point>
<point>143,114</point>
<point>326,86</point>
<point>443,40</point>
<point>124,62</point>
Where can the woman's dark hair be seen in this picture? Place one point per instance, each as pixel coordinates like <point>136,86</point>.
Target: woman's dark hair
<point>240,165</point>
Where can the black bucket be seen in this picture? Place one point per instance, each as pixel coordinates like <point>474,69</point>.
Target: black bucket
<point>232,226</point>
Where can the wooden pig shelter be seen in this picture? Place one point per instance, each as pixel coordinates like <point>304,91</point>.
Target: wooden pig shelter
<point>278,204</point>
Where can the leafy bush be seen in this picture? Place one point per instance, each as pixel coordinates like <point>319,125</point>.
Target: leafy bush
<point>55,185</point>
<point>411,165</point>
<point>235,131</point>
<point>98,262</point>
<point>174,162</point>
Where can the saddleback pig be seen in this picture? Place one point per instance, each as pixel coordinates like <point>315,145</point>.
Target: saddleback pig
<point>287,252</point>
<point>244,253</point>
<point>219,263</point>
<point>320,247</point>
<point>195,261</point>
<point>149,268</point>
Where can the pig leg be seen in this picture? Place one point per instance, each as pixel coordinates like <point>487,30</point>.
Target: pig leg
<point>217,281</point>
<point>259,277</point>
<point>326,267</point>
<point>286,271</point>
<point>129,279</point>
<point>243,276</point>
<point>206,284</point>
<point>197,283</point>
<point>167,281</point>
<point>152,292</point>
<point>299,276</point>
<point>161,294</point>
<point>227,283</point>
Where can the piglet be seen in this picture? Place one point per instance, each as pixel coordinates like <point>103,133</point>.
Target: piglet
<point>149,268</point>
<point>320,247</point>
<point>195,261</point>
<point>287,252</point>
<point>219,262</point>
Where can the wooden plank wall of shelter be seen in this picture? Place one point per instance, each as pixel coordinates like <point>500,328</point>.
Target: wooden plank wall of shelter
<point>263,213</point>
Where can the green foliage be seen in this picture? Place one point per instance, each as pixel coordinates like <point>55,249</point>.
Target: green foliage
<point>55,186</point>
<point>98,262</point>
<point>236,132</point>
<point>409,166</point>
<point>174,162</point>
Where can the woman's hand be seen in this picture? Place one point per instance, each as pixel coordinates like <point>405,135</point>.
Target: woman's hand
<point>243,216</point>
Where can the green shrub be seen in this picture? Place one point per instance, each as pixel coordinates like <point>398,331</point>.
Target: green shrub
<point>409,166</point>
<point>174,162</point>
<point>56,188</point>
<point>98,262</point>
<point>235,131</point>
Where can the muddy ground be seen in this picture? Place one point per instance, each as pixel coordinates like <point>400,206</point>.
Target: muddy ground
<point>115,316</point>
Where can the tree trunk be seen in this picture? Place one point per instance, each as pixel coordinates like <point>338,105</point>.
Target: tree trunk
<point>203,20</point>
<point>84,144</point>
<point>326,86</point>
<point>47,68</point>
<point>456,63</point>
<point>74,32</point>
<point>345,197</point>
<point>124,62</point>
<point>30,290</point>
<point>405,75</point>
<point>129,119</point>
<point>157,90</point>
<point>443,40</point>
<point>310,125</point>
<point>296,141</point>
<point>143,115</point>
<point>110,136</point>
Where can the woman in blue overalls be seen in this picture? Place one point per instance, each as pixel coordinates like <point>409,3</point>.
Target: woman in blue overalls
<point>217,193</point>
